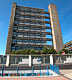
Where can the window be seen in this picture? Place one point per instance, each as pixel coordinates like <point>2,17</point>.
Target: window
<point>20,35</point>
<point>13,48</point>
<point>14,28</point>
<point>19,40</point>
<point>18,48</point>
<point>14,40</point>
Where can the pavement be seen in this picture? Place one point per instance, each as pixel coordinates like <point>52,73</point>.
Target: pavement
<point>67,73</point>
<point>34,78</point>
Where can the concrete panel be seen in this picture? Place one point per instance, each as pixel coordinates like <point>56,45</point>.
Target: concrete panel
<point>10,31</point>
<point>56,30</point>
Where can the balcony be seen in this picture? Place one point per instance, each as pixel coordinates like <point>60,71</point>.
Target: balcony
<point>32,45</point>
<point>34,26</point>
<point>34,32</point>
<point>34,10</point>
<point>30,36</point>
<point>29,20</point>
<point>32,15</point>
<point>33,38</point>
<point>21,43</point>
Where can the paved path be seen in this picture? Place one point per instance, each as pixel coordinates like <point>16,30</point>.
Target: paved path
<point>34,78</point>
<point>67,73</point>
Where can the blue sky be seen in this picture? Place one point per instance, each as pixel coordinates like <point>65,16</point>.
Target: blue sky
<point>64,8</point>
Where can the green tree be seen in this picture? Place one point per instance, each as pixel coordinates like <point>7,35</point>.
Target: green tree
<point>24,51</point>
<point>65,50</point>
<point>32,51</point>
<point>27,51</point>
<point>21,52</point>
<point>38,52</point>
<point>60,52</point>
<point>44,51</point>
<point>14,52</point>
<point>52,51</point>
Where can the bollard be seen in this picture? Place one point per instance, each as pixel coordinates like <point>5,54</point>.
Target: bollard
<point>20,74</point>
<point>32,71</point>
<point>8,74</point>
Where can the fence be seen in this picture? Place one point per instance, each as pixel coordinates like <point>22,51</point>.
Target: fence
<point>40,73</point>
<point>55,68</point>
<point>45,59</point>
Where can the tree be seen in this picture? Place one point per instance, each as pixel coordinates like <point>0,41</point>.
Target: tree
<point>38,52</point>
<point>65,50</point>
<point>44,51</point>
<point>60,52</point>
<point>52,51</point>
<point>27,51</point>
<point>24,51</point>
<point>14,52</point>
<point>19,52</point>
<point>32,51</point>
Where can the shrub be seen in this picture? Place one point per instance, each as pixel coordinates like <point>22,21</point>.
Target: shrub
<point>14,52</point>
<point>44,51</point>
<point>38,52</point>
<point>24,51</point>
<point>32,51</point>
<point>60,52</point>
<point>27,51</point>
<point>65,50</point>
<point>52,51</point>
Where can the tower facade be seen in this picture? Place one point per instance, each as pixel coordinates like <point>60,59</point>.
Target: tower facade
<point>27,29</point>
<point>56,30</point>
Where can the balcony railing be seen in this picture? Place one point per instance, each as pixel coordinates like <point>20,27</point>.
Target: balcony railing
<point>33,45</point>
<point>34,32</point>
<point>33,38</point>
<point>34,26</point>
<point>30,36</point>
<point>29,10</point>
<point>29,20</point>
<point>31,15</point>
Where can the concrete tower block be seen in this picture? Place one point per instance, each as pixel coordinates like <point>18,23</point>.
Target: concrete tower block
<point>10,31</point>
<point>56,30</point>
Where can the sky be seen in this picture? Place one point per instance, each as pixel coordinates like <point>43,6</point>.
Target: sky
<point>64,8</point>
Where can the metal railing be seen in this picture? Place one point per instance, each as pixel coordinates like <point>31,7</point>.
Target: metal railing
<point>55,68</point>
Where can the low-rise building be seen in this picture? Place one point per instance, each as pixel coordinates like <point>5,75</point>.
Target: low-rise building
<point>68,45</point>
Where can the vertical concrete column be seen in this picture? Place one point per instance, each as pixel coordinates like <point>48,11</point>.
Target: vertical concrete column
<point>7,61</point>
<point>44,60</point>
<point>0,60</point>
<point>30,60</point>
<point>10,31</point>
<point>51,59</point>
<point>56,30</point>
